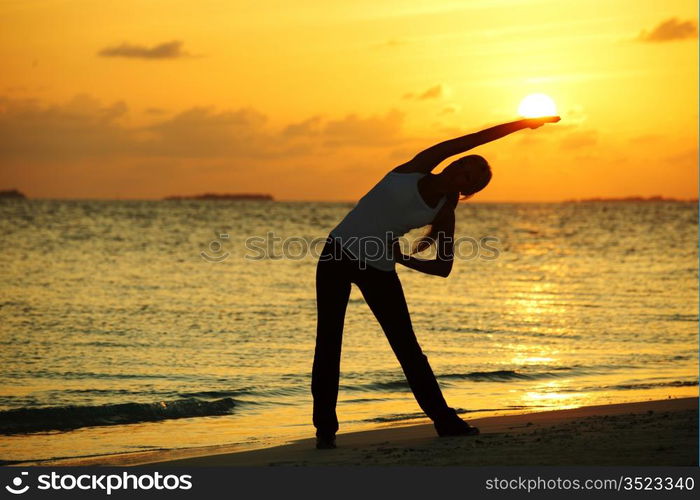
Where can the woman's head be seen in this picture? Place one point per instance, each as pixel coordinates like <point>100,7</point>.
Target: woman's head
<point>468,175</point>
<point>465,176</point>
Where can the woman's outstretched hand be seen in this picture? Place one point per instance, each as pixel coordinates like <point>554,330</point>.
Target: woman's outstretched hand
<point>538,122</point>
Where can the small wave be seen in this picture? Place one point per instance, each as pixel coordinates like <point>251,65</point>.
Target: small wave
<point>388,386</point>
<point>504,375</point>
<point>632,387</point>
<point>651,385</point>
<point>679,317</point>
<point>396,417</point>
<point>217,394</point>
<point>63,418</point>
<point>363,400</point>
<point>12,303</point>
<point>92,375</point>
<point>493,376</point>
<point>460,411</point>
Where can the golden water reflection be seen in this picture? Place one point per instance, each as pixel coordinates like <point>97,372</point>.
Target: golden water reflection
<point>551,393</point>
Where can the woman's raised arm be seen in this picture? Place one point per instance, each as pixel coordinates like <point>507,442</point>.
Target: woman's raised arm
<point>427,160</point>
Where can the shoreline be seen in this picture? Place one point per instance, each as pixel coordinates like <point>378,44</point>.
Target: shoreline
<point>657,432</point>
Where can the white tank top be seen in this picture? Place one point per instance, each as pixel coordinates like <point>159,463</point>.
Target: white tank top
<point>394,206</point>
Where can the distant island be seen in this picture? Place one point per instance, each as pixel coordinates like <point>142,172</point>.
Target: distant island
<point>12,193</point>
<point>224,197</point>
<point>630,198</point>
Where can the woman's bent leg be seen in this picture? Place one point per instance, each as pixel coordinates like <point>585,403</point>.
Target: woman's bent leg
<point>332,294</point>
<point>383,293</point>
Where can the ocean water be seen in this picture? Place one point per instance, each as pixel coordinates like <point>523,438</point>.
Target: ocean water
<point>140,325</point>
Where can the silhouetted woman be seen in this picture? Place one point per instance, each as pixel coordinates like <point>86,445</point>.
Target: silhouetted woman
<point>362,249</point>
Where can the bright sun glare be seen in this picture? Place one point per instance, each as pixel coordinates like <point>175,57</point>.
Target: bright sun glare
<point>536,105</point>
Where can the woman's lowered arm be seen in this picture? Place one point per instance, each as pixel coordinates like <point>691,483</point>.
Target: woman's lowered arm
<point>442,264</point>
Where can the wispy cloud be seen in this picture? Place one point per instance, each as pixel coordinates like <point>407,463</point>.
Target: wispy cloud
<point>435,92</point>
<point>390,44</point>
<point>580,139</point>
<point>371,131</point>
<point>449,110</point>
<point>166,50</point>
<point>352,130</point>
<point>669,30</point>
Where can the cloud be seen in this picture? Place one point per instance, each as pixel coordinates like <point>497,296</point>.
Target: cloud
<point>81,127</point>
<point>85,128</point>
<point>684,159</point>
<point>671,29</point>
<point>580,139</point>
<point>432,93</point>
<point>352,130</point>
<point>645,139</point>
<point>25,89</point>
<point>435,92</point>
<point>356,131</point>
<point>305,128</point>
<point>205,133</point>
<point>390,44</point>
<point>166,50</point>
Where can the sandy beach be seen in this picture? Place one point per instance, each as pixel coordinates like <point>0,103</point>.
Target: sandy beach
<point>663,432</point>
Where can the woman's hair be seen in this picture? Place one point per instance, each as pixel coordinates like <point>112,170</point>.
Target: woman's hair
<point>441,222</point>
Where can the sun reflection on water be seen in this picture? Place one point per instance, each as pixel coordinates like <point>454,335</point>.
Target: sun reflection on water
<point>550,394</point>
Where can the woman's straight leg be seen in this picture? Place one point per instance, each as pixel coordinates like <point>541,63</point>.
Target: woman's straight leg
<point>332,294</point>
<point>383,293</point>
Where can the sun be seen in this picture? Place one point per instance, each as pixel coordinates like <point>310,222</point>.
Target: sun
<point>536,105</point>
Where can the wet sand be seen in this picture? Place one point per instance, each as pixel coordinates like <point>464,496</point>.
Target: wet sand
<point>661,432</point>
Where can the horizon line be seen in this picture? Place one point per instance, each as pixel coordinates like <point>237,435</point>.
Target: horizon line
<point>653,198</point>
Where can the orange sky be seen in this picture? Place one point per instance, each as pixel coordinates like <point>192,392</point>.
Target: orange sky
<point>311,100</point>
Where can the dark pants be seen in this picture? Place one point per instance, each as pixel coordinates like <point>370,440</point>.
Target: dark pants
<point>383,293</point>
